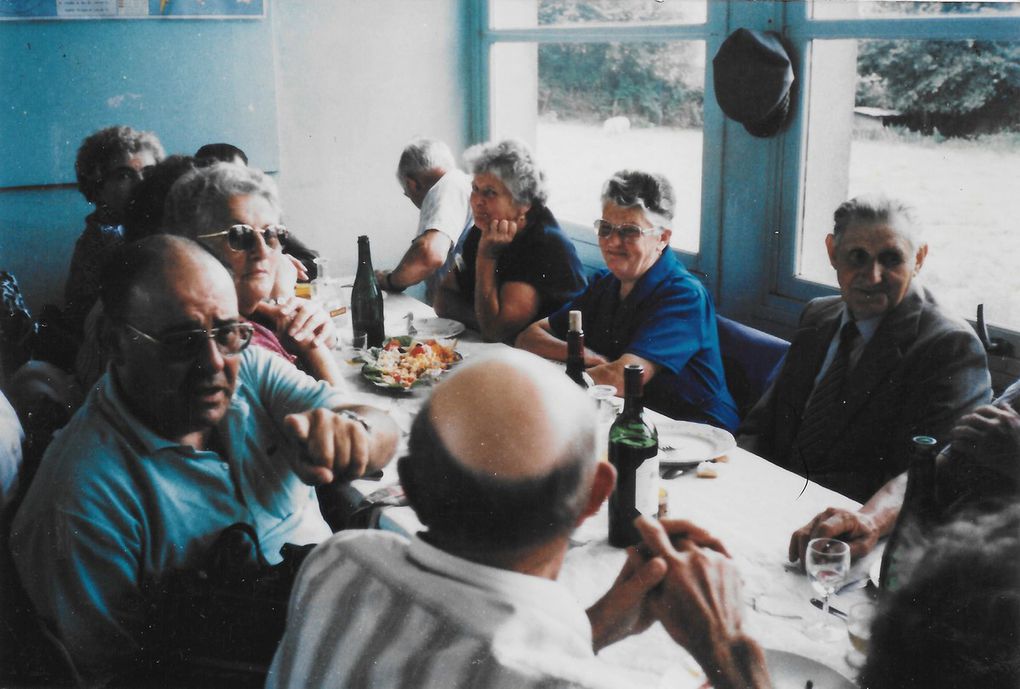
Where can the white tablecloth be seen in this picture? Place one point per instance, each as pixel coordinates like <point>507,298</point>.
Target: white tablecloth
<point>753,507</point>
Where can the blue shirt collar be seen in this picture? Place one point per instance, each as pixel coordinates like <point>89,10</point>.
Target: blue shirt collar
<point>666,265</point>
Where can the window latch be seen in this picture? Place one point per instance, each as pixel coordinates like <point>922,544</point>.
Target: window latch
<point>994,346</point>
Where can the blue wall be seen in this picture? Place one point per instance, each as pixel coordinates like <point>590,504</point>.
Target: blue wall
<point>192,82</point>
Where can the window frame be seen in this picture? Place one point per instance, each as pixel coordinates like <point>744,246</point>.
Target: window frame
<point>705,262</point>
<point>766,293</point>
<point>787,293</point>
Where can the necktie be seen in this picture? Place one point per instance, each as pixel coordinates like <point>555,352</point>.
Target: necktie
<point>827,401</point>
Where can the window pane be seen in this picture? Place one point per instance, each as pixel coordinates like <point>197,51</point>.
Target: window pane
<point>842,9</point>
<point>516,14</point>
<point>600,107</point>
<point>936,123</point>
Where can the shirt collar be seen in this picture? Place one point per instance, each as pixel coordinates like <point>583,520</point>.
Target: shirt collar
<point>865,327</point>
<point>522,589</point>
<point>130,425</point>
<point>666,264</point>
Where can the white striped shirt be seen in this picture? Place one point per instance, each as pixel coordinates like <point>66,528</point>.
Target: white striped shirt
<point>370,609</point>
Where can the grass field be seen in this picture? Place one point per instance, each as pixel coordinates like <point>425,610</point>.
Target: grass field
<point>967,192</point>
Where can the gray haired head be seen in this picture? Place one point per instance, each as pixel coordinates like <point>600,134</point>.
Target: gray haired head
<point>513,163</point>
<point>872,209</point>
<point>422,155</point>
<point>650,192</point>
<point>198,202</point>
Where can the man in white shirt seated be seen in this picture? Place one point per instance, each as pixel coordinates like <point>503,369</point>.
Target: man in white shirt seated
<point>501,467</point>
<point>188,432</point>
<point>429,176</point>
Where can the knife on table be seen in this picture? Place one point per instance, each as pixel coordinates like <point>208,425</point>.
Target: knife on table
<point>835,611</point>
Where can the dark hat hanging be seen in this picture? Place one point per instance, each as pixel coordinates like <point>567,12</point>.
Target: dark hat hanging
<point>753,76</point>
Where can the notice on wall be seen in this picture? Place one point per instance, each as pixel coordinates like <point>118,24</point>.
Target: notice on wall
<point>131,9</point>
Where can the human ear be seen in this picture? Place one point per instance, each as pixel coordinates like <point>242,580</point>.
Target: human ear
<point>830,246</point>
<point>602,486</point>
<point>922,253</point>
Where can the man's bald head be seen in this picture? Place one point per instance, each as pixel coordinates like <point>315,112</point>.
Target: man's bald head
<point>502,457</point>
<point>512,416</point>
<point>156,261</point>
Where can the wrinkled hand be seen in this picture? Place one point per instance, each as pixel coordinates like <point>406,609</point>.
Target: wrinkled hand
<point>624,609</point>
<point>496,237</point>
<point>858,530</point>
<point>303,321</point>
<point>335,446</point>
<point>698,601</point>
<point>990,437</point>
<point>593,358</point>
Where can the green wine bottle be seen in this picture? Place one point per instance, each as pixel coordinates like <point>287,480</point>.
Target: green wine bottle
<point>917,515</point>
<point>366,298</point>
<point>633,450</point>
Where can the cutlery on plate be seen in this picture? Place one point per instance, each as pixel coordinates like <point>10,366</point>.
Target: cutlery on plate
<point>835,611</point>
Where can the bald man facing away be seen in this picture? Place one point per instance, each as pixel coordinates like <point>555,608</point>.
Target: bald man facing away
<point>500,469</point>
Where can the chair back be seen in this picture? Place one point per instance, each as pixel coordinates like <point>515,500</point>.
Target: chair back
<point>751,360</point>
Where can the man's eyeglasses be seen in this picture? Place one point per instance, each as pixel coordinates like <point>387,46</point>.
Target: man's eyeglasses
<point>187,344</point>
<point>628,233</point>
<point>242,237</point>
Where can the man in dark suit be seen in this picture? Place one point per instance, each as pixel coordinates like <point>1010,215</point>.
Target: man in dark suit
<point>871,368</point>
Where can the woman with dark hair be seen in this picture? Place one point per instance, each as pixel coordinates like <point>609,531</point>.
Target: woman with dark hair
<point>110,164</point>
<point>645,309</point>
<point>516,265</point>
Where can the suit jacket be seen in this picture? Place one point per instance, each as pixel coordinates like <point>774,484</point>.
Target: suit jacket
<point>921,371</point>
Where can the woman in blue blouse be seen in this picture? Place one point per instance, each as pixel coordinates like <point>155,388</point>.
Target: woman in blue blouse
<point>645,309</point>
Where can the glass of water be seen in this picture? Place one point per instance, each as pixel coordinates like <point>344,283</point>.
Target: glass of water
<point>827,562</point>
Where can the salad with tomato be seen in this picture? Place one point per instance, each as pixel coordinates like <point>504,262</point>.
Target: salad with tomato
<point>403,362</point>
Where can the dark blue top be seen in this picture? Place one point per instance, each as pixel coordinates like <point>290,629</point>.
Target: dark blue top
<point>540,255</point>
<point>668,318</point>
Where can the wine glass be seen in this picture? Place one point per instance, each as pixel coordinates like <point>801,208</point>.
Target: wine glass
<point>858,627</point>
<point>827,562</point>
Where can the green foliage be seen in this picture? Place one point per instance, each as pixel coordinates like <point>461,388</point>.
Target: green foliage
<point>959,88</point>
<point>647,82</point>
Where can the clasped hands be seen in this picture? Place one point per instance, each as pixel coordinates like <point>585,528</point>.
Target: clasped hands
<point>679,575</point>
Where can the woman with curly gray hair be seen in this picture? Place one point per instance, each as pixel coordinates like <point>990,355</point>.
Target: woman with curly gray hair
<point>110,164</point>
<point>234,211</point>
<point>645,309</point>
<point>516,265</point>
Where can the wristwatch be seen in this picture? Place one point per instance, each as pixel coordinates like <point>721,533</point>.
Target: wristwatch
<point>354,416</point>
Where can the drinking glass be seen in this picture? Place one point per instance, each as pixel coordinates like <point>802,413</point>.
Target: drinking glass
<point>858,628</point>
<point>827,563</point>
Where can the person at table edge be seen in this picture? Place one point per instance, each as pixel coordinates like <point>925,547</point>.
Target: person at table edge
<point>910,368</point>
<point>516,265</point>
<point>501,467</point>
<point>645,309</point>
<point>185,435</point>
<point>431,181</point>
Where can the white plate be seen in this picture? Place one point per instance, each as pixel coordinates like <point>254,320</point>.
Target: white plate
<point>438,328</point>
<point>792,671</point>
<point>691,442</point>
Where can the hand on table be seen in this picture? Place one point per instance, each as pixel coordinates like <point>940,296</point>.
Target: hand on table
<point>989,437</point>
<point>336,446</point>
<point>858,530</point>
<point>496,237</point>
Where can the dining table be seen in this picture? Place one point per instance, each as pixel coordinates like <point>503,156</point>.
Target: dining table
<point>751,505</point>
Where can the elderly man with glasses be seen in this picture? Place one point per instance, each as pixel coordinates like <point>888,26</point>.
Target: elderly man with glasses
<point>645,309</point>
<point>189,432</point>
